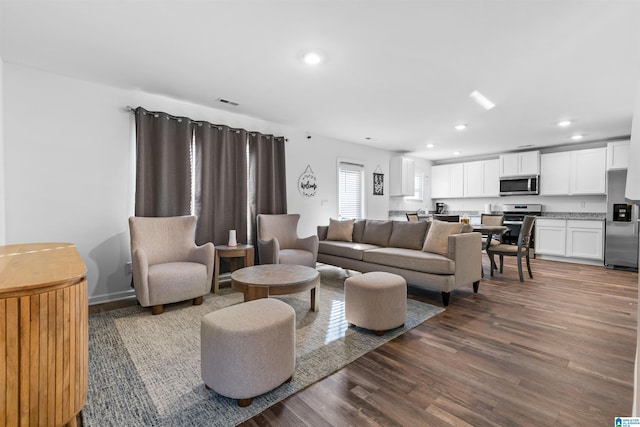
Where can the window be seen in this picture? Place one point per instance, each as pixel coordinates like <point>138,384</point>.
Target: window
<point>418,194</point>
<point>350,190</point>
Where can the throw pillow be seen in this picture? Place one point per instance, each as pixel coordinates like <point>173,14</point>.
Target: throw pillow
<point>437,240</point>
<point>409,235</point>
<point>340,230</point>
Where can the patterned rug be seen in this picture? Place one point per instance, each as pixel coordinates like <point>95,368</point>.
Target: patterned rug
<point>144,370</point>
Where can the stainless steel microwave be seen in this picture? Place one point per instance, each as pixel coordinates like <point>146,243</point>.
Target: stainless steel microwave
<point>519,185</point>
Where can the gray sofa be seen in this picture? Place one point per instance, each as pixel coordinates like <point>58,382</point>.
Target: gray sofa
<point>426,254</point>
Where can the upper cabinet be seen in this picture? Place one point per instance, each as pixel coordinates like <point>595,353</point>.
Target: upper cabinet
<point>573,172</point>
<point>520,164</point>
<point>618,155</point>
<point>402,176</point>
<point>470,179</point>
<point>447,181</point>
<point>481,178</point>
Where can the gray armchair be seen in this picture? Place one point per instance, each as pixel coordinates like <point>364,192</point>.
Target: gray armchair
<point>278,241</point>
<point>167,265</point>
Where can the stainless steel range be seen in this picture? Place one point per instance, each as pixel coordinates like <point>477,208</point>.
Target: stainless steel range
<point>514,216</point>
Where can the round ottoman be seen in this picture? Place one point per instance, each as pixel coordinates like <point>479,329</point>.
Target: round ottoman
<point>248,349</point>
<point>376,301</point>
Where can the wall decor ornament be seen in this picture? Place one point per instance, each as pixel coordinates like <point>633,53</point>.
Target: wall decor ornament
<point>378,182</point>
<point>307,183</point>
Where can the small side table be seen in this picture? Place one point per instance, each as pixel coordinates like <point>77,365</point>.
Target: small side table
<point>224,251</point>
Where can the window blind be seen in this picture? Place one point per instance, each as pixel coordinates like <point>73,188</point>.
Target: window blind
<point>350,182</point>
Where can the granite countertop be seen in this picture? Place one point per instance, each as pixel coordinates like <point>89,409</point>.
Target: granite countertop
<point>593,216</point>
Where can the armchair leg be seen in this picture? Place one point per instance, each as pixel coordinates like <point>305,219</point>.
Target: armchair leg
<point>476,286</point>
<point>157,309</point>
<point>197,301</point>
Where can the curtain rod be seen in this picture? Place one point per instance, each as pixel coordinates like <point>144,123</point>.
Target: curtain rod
<point>130,109</point>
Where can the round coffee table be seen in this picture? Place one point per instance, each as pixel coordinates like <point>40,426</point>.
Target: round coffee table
<point>260,281</point>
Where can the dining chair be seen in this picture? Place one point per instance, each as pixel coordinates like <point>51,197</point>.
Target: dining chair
<point>521,250</point>
<point>447,218</point>
<point>412,217</point>
<point>491,219</point>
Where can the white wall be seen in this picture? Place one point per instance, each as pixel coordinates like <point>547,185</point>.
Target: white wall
<point>69,168</point>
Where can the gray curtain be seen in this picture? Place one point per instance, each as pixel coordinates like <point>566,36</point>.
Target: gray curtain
<point>267,178</point>
<point>220,181</point>
<point>163,164</point>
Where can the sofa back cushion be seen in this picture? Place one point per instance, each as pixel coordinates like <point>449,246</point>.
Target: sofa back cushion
<point>340,230</point>
<point>437,240</point>
<point>408,235</point>
<point>377,232</point>
<point>358,230</point>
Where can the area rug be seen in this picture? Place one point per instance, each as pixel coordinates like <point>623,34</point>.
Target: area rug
<point>144,370</point>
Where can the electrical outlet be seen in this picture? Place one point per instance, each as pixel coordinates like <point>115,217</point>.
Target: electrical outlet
<point>128,267</point>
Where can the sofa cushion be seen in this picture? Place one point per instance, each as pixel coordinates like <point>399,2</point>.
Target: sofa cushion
<point>340,230</point>
<point>344,249</point>
<point>410,259</point>
<point>409,235</point>
<point>358,229</point>
<point>377,232</point>
<point>437,240</point>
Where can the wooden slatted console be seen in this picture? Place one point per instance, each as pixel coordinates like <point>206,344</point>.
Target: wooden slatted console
<point>43,334</point>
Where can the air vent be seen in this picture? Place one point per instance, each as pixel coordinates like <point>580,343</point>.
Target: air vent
<point>226,101</point>
<point>526,146</point>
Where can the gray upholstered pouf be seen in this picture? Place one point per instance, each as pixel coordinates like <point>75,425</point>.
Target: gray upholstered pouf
<point>248,349</point>
<point>376,301</point>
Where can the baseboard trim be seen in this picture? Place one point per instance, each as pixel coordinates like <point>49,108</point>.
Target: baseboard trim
<point>598,263</point>
<point>104,298</point>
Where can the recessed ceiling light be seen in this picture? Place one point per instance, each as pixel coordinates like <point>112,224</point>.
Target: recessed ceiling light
<point>431,145</point>
<point>456,153</point>
<point>461,126</point>
<point>482,100</point>
<point>312,57</point>
<point>564,123</point>
<point>577,137</point>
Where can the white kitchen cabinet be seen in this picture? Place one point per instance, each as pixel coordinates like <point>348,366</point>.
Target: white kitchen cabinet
<point>402,176</point>
<point>589,171</point>
<point>618,155</point>
<point>573,172</point>
<point>481,178</point>
<point>570,238</point>
<point>447,181</point>
<point>551,236</point>
<point>555,175</point>
<point>585,239</point>
<point>520,164</point>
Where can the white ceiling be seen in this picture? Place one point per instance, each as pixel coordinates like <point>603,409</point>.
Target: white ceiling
<point>398,72</point>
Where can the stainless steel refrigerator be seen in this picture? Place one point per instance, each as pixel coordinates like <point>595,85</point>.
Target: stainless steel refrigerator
<point>621,228</point>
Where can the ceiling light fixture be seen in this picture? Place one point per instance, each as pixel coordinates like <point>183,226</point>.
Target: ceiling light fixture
<point>431,145</point>
<point>461,126</point>
<point>577,137</point>
<point>564,123</point>
<point>482,100</point>
<point>312,57</point>
<point>456,153</point>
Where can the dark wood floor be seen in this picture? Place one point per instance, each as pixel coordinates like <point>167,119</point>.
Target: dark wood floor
<point>555,350</point>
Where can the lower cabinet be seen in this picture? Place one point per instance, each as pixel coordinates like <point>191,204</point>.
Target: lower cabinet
<point>582,239</point>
